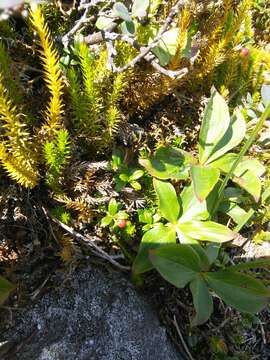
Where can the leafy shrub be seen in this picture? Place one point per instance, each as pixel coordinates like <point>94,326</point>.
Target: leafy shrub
<point>184,246</point>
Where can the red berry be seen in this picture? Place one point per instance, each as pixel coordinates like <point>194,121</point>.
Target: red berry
<point>244,52</point>
<point>122,223</point>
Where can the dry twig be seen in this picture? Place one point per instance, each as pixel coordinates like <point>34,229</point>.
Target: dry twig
<point>182,339</point>
<point>90,241</point>
<point>84,19</point>
<point>108,36</point>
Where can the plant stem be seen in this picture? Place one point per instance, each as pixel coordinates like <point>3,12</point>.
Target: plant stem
<point>242,153</point>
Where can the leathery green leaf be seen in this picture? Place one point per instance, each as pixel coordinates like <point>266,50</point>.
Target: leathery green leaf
<point>246,174</point>
<point>178,264</point>
<point>202,301</point>
<point>167,200</point>
<point>112,207</point>
<point>168,163</point>
<point>120,10</point>
<point>234,211</point>
<point>212,251</point>
<point>206,231</point>
<point>215,123</point>
<point>160,235</point>
<point>204,260</point>
<point>251,183</point>
<point>204,179</point>
<point>192,208</point>
<point>233,137</point>
<point>252,165</point>
<point>225,163</point>
<point>240,291</point>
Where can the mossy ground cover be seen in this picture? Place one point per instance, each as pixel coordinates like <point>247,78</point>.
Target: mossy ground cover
<point>81,127</point>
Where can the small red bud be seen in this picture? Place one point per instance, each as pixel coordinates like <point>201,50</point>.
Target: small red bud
<point>244,52</point>
<point>122,223</point>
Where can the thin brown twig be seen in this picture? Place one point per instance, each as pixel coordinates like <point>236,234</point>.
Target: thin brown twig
<point>263,333</point>
<point>36,292</point>
<point>184,306</point>
<point>84,19</point>
<point>90,241</point>
<point>47,215</point>
<point>144,51</point>
<point>109,37</point>
<point>181,338</point>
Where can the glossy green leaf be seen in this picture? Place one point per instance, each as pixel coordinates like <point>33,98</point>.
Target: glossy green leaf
<point>233,137</point>
<point>106,221</point>
<point>113,207</point>
<point>178,264</point>
<point>160,235</point>
<point>251,183</point>
<point>204,261</point>
<point>234,211</point>
<point>185,239</point>
<point>167,200</point>
<point>166,47</point>
<point>202,301</point>
<point>204,179</point>
<point>121,11</point>
<point>127,28</point>
<point>240,291</point>
<point>5,289</point>
<point>192,208</point>
<point>136,175</point>
<point>215,123</point>
<point>245,220</point>
<point>252,165</point>
<point>124,177</point>
<point>224,164</point>
<point>103,22</point>
<point>136,185</point>
<point>246,174</point>
<point>207,231</point>
<point>139,8</point>
<point>168,163</point>
<point>212,251</point>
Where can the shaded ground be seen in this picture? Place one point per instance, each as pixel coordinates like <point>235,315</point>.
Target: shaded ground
<point>31,256</point>
<point>32,248</point>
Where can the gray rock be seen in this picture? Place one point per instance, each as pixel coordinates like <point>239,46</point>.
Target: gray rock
<point>97,316</point>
